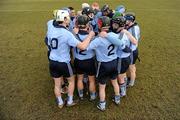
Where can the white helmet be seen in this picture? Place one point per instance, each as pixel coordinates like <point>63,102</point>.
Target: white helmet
<point>61,15</point>
<point>85,5</point>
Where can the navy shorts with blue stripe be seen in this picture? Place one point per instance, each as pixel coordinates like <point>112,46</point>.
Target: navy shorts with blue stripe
<point>107,71</point>
<point>85,66</point>
<point>134,56</point>
<point>123,64</point>
<point>60,69</point>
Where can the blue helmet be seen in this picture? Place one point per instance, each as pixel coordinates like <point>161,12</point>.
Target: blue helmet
<point>130,16</point>
<point>121,9</point>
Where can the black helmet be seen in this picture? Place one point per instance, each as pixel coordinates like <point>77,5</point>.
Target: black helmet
<point>103,21</point>
<point>130,16</point>
<point>105,8</point>
<point>119,20</point>
<point>82,20</point>
<point>87,10</point>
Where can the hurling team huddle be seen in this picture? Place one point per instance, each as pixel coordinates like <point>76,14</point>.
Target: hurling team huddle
<point>91,49</point>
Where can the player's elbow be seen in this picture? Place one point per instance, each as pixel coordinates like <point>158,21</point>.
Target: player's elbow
<point>81,46</point>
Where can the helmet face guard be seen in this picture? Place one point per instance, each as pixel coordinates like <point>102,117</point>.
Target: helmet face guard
<point>87,11</point>
<point>121,21</point>
<point>105,8</point>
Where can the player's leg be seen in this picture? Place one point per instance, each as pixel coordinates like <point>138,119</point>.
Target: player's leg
<point>101,72</point>
<point>80,85</point>
<point>71,86</point>
<point>54,68</point>
<point>102,103</point>
<point>68,73</point>
<point>92,87</point>
<point>122,84</point>
<point>132,69</point>
<point>57,91</point>
<point>115,85</point>
<point>124,65</point>
<point>64,88</point>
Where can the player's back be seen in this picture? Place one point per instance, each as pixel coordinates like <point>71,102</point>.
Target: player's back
<point>58,37</point>
<point>83,54</point>
<point>105,51</point>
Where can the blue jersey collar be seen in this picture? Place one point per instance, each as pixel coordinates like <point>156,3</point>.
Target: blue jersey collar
<point>82,32</point>
<point>56,25</point>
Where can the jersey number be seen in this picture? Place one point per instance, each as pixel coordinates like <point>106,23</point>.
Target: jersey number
<point>80,52</point>
<point>110,48</point>
<point>54,43</point>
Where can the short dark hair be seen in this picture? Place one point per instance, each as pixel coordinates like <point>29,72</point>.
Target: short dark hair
<point>71,8</point>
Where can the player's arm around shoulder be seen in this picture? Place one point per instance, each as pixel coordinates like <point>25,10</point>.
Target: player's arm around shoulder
<point>83,45</point>
<point>131,38</point>
<point>112,37</point>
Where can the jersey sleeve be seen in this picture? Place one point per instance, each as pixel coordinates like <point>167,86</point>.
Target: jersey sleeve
<point>94,44</point>
<point>72,41</point>
<point>137,33</point>
<point>114,39</point>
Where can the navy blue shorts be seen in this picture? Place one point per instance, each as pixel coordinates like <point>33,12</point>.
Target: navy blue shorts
<point>85,66</point>
<point>123,64</point>
<point>60,69</point>
<point>107,71</point>
<point>134,56</point>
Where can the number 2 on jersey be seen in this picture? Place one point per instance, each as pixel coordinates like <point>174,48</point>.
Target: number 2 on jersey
<point>80,52</point>
<point>111,48</point>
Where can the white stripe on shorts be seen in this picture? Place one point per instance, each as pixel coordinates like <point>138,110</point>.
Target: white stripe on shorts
<point>132,58</point>
<point>70,69</point>
<point>99,65</point>
<point>119,65</point>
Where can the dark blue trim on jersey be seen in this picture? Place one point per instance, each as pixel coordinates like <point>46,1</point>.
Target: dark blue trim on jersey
<point>46,41</point>
<point>127,49</point>
<point>82,32</point>
<point>78,37</point>
<point>56,25</point>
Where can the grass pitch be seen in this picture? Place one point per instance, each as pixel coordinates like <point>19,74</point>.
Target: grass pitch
<point>26,88</point>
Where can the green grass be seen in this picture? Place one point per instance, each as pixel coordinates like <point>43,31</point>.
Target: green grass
<point>26,88</point>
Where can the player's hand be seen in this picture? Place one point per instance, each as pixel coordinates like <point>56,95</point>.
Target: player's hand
<point>91,33</point>
<point>76,30</point>
<point>103,34</point>
<point>124,31</point>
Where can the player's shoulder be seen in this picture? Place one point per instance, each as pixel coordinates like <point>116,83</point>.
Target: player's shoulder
<point>50,22</point>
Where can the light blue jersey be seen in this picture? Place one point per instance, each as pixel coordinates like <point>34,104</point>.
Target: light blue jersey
<point>94,24</point>
<point>135,31</point>
<point>83,54</point>
<point>72,25</point>
<point>120,52</point>
<point>105,50</point>
<point>115,39</point>
<point>60,40</point>
<point>99,14</point>
<point>121,40</point>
